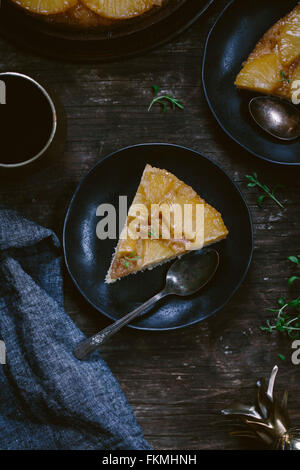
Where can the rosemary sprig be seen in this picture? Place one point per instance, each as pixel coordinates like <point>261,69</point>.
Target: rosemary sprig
<point>253,182</point>
<point>163,99</point>
<point>296,261</point>
<point>284,78</point>
<point>287,319</point>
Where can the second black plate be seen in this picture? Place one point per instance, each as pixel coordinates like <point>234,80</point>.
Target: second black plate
<point>88,258</point>
<point>231,40</point>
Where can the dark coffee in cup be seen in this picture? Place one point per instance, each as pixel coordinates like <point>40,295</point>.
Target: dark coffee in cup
<point>27,120</point>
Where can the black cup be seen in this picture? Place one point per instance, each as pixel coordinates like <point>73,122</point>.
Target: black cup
<point>16,167</point>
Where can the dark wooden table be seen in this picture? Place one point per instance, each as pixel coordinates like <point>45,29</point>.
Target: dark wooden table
<point>177,382</point>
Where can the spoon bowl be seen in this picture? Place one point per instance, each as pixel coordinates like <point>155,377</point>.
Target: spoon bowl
<point>192,272</point>
<point>277,117</point>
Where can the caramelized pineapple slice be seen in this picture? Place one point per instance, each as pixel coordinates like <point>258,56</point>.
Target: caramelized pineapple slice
<point>156,184</point>
<point>296,73</point>
<point>157,250</point>
<point>295,84</point>
<point>289,41</point>
<point>127,247</point>
<point>261,74</point>
<point>120,9</point>
<point>46,7</point>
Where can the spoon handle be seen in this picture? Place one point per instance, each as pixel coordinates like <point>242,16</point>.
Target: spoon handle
<point>91,344</point>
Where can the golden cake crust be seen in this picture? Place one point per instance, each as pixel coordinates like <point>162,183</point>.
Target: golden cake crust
<point>268,53</point>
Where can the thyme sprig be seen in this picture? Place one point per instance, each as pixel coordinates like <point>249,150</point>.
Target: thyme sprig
<point>296,261</point>
<point>287,319</point>
<point>270,193</point>
<point>163,100</point>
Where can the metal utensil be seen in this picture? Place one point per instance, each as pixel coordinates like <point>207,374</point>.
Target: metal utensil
<point>185,277</point>
<point>279,118</point>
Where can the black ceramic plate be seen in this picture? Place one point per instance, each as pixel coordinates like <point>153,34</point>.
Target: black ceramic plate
<point>115,42</point>
<point>229,43</point>
<point>88,258</point>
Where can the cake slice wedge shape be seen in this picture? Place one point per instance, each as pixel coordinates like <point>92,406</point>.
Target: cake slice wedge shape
<point>167,219</point>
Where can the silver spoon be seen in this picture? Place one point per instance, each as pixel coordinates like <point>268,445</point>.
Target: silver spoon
<point>185,277</point>
<point>279,118</point>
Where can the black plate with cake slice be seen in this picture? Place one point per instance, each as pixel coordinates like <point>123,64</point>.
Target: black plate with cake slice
<point>88,258</point>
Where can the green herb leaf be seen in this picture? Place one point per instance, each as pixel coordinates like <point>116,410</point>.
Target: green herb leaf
<point>284,78</point>
<point>287,316</point>
<point>281,356</point>
<point>163,99</point>
<point>128,259</point>
<point>260,199</point>
<point>253,181</point>
<point>282,301</point>
<point>155,89</point>
<point>285,321</point>
<point>131,258</point>
<point>295,303</point>
<point>152,234</point>
<point>293,279</point>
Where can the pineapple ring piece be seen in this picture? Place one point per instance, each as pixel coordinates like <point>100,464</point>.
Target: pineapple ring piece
<point>46,7</point>
<point>289,42</point>
<point>120,9</point>
<point>261,74</point>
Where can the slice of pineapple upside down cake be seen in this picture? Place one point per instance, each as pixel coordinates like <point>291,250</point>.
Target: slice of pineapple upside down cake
<point>165,209</point>
<point>274,64</point>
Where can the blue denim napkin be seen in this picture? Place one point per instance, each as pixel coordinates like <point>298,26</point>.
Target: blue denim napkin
<point>49,399</point>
